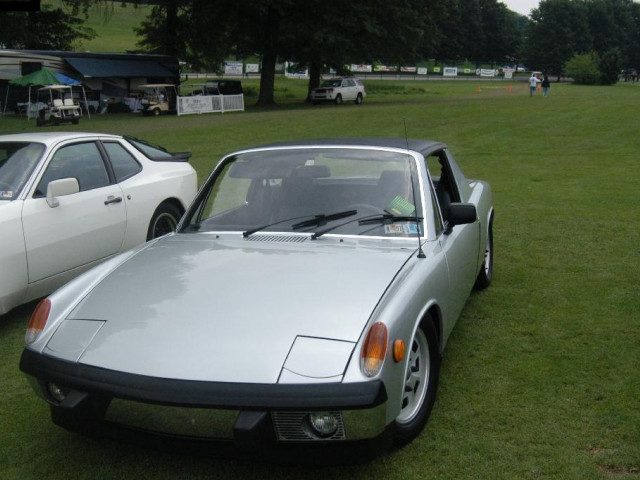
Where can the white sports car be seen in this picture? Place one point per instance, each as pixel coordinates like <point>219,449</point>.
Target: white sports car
<point>71,200</point>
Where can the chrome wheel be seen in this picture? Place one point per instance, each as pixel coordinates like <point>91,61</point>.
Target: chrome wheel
<point>416,378</point>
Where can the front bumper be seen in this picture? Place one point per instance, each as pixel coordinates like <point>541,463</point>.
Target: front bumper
<point>254,419</point>
<point>323,96</point>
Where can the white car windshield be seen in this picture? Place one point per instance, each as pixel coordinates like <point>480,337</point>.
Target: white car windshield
<point>17,161</point>
<point>331,83</point>
<point>358,191</point>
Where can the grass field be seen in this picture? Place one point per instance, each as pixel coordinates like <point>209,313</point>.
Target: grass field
<point>541,376</point>
<point>113,22</point>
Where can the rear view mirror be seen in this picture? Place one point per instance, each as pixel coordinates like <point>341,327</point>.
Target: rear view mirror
<point>60,188</point>
<point>461,214</point>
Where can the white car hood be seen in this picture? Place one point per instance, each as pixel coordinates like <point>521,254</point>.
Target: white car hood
<point>198,307</point>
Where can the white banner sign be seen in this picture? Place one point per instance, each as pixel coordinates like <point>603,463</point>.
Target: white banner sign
<point>450,72</point>
<point>233,68</point>
<point>361,68</point>
<point>486,72</point>
<point>422,70</point>
<point>252,68</point>
<point>210,103</point>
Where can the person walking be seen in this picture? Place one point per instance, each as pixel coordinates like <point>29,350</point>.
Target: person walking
<point>533,84</point>
<point>545,85</point>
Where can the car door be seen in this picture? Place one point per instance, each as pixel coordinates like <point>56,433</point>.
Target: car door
<point>460,243</point>
<point>348,89</point>
<point>86,226</point>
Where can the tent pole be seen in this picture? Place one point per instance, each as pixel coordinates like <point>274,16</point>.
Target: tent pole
<point>85,101</point>
<point>29,105</point>
<point>6,100</point>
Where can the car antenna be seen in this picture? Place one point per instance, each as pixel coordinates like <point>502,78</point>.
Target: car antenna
<point>413,192</point>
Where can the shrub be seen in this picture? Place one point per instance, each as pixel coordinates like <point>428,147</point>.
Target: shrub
<point>584,68</point>
<point>610,66</point>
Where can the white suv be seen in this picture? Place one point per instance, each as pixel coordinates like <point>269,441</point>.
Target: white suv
<point>338,90</point>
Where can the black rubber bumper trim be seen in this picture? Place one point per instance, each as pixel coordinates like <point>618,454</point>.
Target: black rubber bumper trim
<point>110,383</point>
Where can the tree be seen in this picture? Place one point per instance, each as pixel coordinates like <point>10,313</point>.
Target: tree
<point>558,30</point>
<point>47,29</point>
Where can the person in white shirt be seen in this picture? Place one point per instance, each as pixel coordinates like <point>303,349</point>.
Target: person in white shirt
<point>533,84</point>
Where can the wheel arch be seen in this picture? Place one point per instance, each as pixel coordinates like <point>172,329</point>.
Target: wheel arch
<point>175,202</point>
<point>435,314</point>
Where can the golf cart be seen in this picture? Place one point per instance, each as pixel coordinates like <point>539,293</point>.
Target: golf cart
<point>158,98</point>
<point>60,106</point>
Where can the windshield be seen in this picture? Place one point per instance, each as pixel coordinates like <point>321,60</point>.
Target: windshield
<point>300,190</point>
<point>17,161</point>
<point>331,83</point>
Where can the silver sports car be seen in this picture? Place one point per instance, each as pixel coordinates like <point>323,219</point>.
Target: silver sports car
<point>304,302</point>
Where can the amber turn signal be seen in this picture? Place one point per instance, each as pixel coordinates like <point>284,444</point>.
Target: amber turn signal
<point>38,321</point>
<point>374,349</point>
<point>399,350</point>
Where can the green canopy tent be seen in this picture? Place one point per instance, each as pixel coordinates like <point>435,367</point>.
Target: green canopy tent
<point>38,78</point>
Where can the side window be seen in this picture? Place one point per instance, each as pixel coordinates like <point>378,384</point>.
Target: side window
<point>82,161</point>
<point>446,191</point>
<point>123,163</point>
<point>437,220</point>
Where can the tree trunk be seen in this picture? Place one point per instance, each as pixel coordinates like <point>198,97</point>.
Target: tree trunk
<point>315,71</point>
<point>270,55</point>
<point>171,28</point>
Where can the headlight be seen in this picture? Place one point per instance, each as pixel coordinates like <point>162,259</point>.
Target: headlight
<point>57,392</point>
<point>324,424</point>
<point>38,321</point>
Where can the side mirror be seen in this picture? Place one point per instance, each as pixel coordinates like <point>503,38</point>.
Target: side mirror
<point>60,188</point>
<point>461,214</point>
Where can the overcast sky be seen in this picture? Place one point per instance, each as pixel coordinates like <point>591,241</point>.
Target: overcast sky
<point>521,6</point>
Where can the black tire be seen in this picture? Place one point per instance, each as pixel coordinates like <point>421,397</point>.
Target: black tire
<point>420,383</point>
<point>338,99</point>
<point>75,121</point>
<point>486,271</point>
<point>156,112</point>
<point>359,99</point>
<point>163,221</point>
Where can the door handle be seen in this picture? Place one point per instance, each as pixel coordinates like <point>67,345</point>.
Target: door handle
<point>112,199</point>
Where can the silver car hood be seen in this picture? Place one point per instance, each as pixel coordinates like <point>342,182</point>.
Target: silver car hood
<point>198,307</point>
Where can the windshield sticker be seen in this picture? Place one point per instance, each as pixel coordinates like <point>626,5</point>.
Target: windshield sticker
<point>6,194</point>
<point>402,229</point>
<point>394,229</point>
<point>400,206</point>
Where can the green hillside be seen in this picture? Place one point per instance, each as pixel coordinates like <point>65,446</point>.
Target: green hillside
<point>114,24</point>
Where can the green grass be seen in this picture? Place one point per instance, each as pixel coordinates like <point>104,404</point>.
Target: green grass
<point>114,23</point>
<point>541,375</point>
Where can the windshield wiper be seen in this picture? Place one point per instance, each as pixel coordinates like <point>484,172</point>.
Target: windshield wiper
<point>323,219</point>
<point>320,220</point>
<point>383,219</point>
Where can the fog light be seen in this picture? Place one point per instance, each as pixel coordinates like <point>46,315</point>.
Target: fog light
<point>57,392</point>
<point>324,424</point>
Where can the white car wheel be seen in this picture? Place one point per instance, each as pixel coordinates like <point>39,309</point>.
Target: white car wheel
<point>164,220</point>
